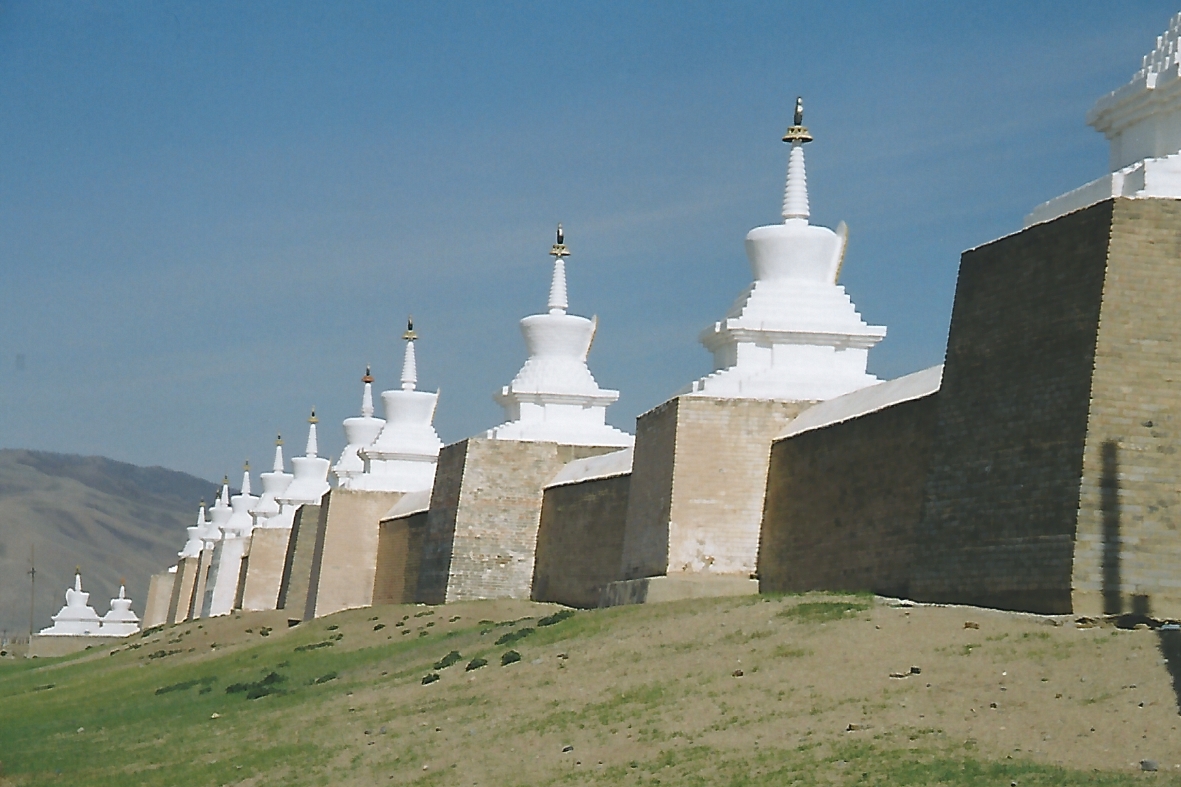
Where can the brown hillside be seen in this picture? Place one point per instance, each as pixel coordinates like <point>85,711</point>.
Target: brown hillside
<point>112,519</point>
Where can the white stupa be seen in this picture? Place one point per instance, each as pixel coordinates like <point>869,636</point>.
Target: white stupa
<point>227,556</point>
<point>192,547</point>
<point>310,480</point>
<point>554,398</point>
<point>268,512</point>
<point>403,457</point>
<point>359,432</point>
<point>219,515</point>
<point>793,334</point>
<point>120,621</point>
<point>1142,123</point>
<point>77,617</point>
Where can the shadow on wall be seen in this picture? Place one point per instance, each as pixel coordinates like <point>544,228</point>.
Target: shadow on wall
<point>1170,649</point>
<point>1109,504</point>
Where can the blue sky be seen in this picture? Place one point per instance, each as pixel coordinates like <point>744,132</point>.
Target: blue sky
<point>213,215</point>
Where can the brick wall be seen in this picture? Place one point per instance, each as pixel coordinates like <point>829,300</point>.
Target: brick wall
<point>1128,543</point>
<point>698,482</point>
<point>347,559</point>
<point>159,598</point>
<point>297,565</point>
<point>1002,496</point>
<point>580,540</point>
<point>399,556</point>
<point>264,568</point>
<point>485,510</point>
<point>843,501</point>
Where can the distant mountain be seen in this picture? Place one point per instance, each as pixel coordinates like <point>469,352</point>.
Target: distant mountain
<point>111,518</point>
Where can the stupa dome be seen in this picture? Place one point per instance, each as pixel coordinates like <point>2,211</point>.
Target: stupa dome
<point>120,621</point>
<point>77,617</point>
<point>310,480</point>
<point>360,432</point>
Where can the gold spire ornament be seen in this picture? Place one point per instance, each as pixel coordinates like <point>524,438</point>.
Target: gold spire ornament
<point>559,249</point>
<point>797,131</point>
<point>368,378</point>
<point>410,335</point>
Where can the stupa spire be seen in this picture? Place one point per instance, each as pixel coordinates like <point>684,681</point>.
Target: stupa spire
<point>225,490</point>
<point>409,362</point>
<point>557,290</point>
<point>246,478</point>
<point>313,448</point>
<point>795,193</point>
<point>278,466</point>
<point>367,396</point>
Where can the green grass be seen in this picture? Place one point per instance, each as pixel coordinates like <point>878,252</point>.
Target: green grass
<point>824,611</point>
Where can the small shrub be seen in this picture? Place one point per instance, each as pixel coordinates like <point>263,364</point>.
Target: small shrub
<point>823,611</point>
<point>150,631</point>
<point>187,684</point>
<point>333,627</point>
<point>314,645</point>
<point>269,684</point>
<point>265,631</point>
<point>379,627</point>
<point>451,658</point>
<point>429,679</point>
<point>324,678</point>
<point>514,636</point>
<point>424,613</point>
<point>509,657</point>
<point>475,663</point>
<point>557,617</point>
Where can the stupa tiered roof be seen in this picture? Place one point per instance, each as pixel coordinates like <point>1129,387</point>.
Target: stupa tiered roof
<point>310,471</point>
<point>554,397</point>
<point>793,334</point>
<point>77,617</point>
<point>359,431</point>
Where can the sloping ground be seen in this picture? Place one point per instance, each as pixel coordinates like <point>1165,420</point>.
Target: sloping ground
<point>795,690</point>
<point>112,519</point>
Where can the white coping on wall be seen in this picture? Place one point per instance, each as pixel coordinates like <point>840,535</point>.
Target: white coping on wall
<point>409,503</point>
<point>594,467</point>
<point>866,400</point>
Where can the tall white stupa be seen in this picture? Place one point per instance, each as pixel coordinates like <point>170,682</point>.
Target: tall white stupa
<point>554,397</point>
<point>402,458</point>
<point>192,547</point>
<point>222,585</point>
<point>219,514</point>
<point>120,621</point>
<point>793,334</point>
<point>1142,123</point>
<point>360,432</point>
<point>77,617</point>
<point>310,471</point>
<point>268,511</point>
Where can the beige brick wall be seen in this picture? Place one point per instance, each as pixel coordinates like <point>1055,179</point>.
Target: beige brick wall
<point>347,560</point>
<point>264,568</point>
<point>580,540</point>
<point>698,480</point>
<point>196,605</point>
<point>843,502</point>
<point>1128,543</point>
<point>297,566</point>
<point>485,510</point>
<point>159,599</point>
<point>399,555</point>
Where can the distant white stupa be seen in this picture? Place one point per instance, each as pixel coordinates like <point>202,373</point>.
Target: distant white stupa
<point>222,585</point>
<point>1142,123</point>
<point>268,511</point>
<point>402,458</point>
<point>192,547</point>
<point>77,617</point>
<point>219,515</point>
<point>793,334</point>
<point>554,398</point>
<point>120,621</point>
<point>360,432</point>
<point>310,480</point>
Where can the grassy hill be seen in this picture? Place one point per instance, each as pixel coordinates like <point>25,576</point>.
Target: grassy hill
<point>807,690</point>
<point>111,518</point>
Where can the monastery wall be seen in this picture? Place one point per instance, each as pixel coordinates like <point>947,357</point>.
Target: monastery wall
<point>185,602</point>
<point>399,557</point>
<point>1002,497</point>
<point>159,599</point>
<point>843,502</point>
<point>346,560</point>
<point>698,482</point>
<point>264,569</point>
<point>297,566</point>
<point>580,540</point>
<point>1128,546</point>
<point>485,511</point>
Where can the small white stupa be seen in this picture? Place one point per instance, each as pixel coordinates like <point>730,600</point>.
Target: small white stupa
<point>227,555</point>
<point>359,432</point>
<point>403,457</point>
<point>219,515</point>
<point>310,480</point>
<point>120,621</point>
<point>1142,123</point>
<point>793,334</point>
<point>77,618</point>
<point>192,547</point>
<point>268,512</point>
<point>554,398</point>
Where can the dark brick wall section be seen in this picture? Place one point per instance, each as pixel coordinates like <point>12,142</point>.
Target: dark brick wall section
<point>843,502</point>
<point>645,548</point>
<point>435,568</point>
<point>399,556</point>
<point>580,541</point>
<point>999,519</point>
